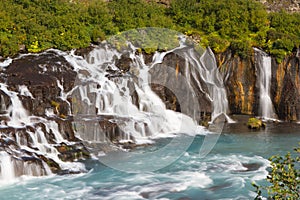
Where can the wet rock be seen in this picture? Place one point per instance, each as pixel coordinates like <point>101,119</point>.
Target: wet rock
<point>41,74</point>
<point>239,78</point>
<point>251,166</point>
<point>54,167</point>
<point>254,123</point>
<point>84,51</point>
<point>285,88</point>
<point>70,153</point>
<point>124,62</point>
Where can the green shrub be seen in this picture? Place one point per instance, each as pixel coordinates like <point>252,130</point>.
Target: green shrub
<point>222,24</point>
<point>254,123</point>
<point>284,178</point>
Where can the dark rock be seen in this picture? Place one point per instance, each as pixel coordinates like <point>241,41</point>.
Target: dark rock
<point>124,62</point>
<point>251,166</point>
<point>40,73</point>
<point>70,153</point>
<point>239,78</point>
<point>84,51</point>
<point>285,88</point>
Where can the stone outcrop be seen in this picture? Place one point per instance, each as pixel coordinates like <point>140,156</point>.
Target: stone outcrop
<point>277,5</point>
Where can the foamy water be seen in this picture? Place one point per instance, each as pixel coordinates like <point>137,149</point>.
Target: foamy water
<point>226,173</point>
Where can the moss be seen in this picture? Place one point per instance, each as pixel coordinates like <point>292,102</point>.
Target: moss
<point>55,104</point>
<point>254,123</point>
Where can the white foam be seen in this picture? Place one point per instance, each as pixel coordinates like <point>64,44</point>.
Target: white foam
<point>18,115</point>
<point>7,169</point>
<point>6,62</point>
<point>23,90</point>
<point>190,179</point>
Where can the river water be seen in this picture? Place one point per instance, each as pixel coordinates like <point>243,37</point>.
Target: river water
<point>238,159</point>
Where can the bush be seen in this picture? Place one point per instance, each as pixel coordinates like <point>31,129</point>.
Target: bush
<point>222,24</point>
<point>284,178</point>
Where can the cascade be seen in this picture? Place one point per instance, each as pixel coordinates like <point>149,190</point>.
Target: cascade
<point>208,71</point>
<point>107,104</point>
<point>20,151</point>
<point>100,94</point>
<point>7,170</point>
<point>16,112</point>
<point>263,64</point>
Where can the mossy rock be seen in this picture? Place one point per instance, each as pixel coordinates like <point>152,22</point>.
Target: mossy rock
<point>254,123</point>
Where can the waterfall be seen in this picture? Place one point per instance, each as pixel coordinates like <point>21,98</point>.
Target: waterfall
<point>210,74</point>
<point>16,112</point>
<point>7,170</point>
<point>263,64</point>
<point>102,95</point>
<point>29,142</point>
<point>107,104</point>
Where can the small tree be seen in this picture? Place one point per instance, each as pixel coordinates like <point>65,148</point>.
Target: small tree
<point>284,178</point>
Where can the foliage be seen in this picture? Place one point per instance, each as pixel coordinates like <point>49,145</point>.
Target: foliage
<point>148,39</point>
<point>284,178</point>
<point>221,24</point>
<point>254,123</point>
<point>284,33</point>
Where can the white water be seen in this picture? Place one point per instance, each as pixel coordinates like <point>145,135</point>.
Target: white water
<point>263,64</point>
<point>98,95</point>
<point>16,112</point>
<point>6,62</point>
<point>215,85</point>
<point>7,170</point>
<point>24,91</point>
<point>206,68</point>
<point>113,97</point>
<point>19,118</point>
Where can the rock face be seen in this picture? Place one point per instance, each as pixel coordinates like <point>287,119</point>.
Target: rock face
<point>286,88</point>
<point>240,77</point>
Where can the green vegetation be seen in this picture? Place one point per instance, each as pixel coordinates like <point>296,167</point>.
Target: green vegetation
<point>222,24</point>
<point>254,123</point>
<point>284,178</point>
